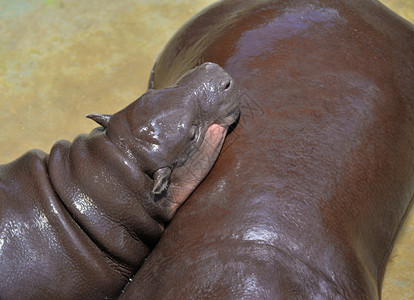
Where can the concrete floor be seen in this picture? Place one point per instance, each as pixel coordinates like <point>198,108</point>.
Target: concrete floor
<point>62,59</point>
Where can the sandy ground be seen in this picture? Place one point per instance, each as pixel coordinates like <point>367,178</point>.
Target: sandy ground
<point>62,59</point>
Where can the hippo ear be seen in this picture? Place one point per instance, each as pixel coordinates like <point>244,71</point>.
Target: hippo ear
<point>102,120</point>
<point>161,178</point>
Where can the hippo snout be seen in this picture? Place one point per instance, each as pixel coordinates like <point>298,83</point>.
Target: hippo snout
<point>219,96</point>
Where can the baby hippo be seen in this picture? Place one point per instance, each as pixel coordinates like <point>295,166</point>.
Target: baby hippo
<point>78,223</point>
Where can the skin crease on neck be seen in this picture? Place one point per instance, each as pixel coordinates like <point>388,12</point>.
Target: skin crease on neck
<point>60,60</point>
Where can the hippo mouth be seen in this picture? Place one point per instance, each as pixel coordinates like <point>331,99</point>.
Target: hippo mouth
<point>230,117</point>
<point>174,186</point>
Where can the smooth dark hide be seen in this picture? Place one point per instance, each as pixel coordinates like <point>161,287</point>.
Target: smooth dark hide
<point>78,223</point>
<point>313,184</point>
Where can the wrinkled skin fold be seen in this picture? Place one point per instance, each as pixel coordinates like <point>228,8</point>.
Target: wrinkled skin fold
<point>78,223</point>
<point>307,199</point>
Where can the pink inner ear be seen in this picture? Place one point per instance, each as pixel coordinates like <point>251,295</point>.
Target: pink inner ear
<point>185,179</point>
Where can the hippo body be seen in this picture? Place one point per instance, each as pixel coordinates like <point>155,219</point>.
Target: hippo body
<point>307,198</point>
<point>76,224</point>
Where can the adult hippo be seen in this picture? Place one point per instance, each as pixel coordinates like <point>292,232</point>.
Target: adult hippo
<point>76,224</point>
<point>307,199</point>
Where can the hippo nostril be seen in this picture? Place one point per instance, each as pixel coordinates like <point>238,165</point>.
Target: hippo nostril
<point>226,84</point>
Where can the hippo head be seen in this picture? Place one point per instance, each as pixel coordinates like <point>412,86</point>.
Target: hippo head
<point>175,134</point>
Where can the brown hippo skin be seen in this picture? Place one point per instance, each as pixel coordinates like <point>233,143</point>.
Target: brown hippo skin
<point>78,223</point>
<point>307,199</point>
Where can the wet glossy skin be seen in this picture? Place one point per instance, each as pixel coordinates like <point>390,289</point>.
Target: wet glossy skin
<point>307,198</point>
<point>77,223</point>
